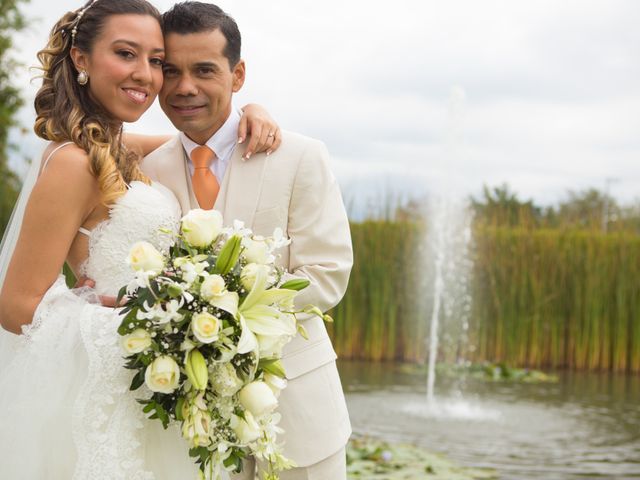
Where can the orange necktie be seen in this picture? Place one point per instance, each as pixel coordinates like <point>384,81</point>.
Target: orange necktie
<point>205,184</point>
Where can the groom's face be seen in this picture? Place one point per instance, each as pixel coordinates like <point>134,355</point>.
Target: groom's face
<point>198,83</point>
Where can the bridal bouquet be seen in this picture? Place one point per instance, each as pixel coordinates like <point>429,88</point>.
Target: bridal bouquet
<point>204,328</point>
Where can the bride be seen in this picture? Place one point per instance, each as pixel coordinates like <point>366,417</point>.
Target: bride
<point>65,408</point>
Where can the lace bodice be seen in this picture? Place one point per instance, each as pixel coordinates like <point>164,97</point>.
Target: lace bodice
<point>138,215</point>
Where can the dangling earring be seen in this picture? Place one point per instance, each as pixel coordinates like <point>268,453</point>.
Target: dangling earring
<point>83,77</point>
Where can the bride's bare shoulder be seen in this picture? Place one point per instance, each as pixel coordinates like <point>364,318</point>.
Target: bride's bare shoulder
<point>66,160</point>
<point>65,165</point>
<point>66,152</point>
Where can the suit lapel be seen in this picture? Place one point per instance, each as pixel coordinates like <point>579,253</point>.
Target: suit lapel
<point>173,173</point>
<point>193,202</point>
<point>241,188</point>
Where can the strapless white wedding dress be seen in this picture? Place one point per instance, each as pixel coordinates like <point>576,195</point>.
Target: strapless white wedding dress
<point>66,411</point>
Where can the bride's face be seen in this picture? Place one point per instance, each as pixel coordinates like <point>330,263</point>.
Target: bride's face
<point>125,65</point>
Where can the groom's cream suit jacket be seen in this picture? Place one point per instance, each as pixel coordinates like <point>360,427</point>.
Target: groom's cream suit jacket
<point>293,189</point>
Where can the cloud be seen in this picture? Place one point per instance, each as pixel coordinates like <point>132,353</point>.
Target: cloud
<point>551,92</point>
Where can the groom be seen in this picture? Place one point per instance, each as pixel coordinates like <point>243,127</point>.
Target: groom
<point>292,189</point>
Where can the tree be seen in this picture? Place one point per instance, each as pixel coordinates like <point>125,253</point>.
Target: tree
<point>589,209</point>
<point>500,207</point>
<point>11,21</point>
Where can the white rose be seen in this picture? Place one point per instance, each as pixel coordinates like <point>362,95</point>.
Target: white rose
<point>258,398</point>
<point>162,375</point>
<point>249,274</point>
<point>225,380</point>
<point>144,257</point>
<point>256,251</point>
<point>205,327</point>
<point>137,341</point>
<point>212,286</point>
<point>201,227</point>
<point>247,430</point>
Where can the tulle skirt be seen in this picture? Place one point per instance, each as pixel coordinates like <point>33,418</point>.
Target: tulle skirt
<point>66,411</point>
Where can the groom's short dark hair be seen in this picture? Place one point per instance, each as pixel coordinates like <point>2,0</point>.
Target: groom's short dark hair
<point>198,17</point>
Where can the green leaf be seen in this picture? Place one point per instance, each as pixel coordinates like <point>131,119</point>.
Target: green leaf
<point>69,276</point>
<point>138,380</point>
<point>202,453</point>
<point>159,412</point>
<point>130,318</point>
<point>235,460</point>
<point>229,255</point>
<point>121,293</point>
<point>178,408</point>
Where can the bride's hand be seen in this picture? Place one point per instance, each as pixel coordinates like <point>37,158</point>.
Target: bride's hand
<point>108,301</point>
<point>105,300</point>
<point>263,131</point>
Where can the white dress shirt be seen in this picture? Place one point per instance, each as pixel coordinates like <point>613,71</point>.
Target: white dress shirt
<point>223,143</point>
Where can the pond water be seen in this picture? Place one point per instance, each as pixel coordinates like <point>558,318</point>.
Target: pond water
<point>585,426</point>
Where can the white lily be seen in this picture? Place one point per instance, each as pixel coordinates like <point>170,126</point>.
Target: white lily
<point>227,301</point>
<point>140,280</point>
<point>257,315</point>
<point>148,312</point>
<point>278,240</point>
<point>158,314</point>
<point>237,229</point>
<point>191,271</point>
<point>172,314</point>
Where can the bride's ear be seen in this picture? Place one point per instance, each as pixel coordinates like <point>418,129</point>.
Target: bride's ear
<point>79,59</point>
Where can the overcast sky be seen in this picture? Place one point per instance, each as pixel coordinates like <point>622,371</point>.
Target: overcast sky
<point>416,96</point>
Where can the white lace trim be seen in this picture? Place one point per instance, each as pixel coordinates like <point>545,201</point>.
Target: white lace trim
<point>107,423</point>
<point>106,420</point>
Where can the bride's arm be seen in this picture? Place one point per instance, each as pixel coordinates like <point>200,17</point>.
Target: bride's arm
<point>144,144</point>
<point>264,134</point>
<point>62,198</point>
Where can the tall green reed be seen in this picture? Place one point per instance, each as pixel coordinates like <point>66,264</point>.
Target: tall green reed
<point>545,298</point>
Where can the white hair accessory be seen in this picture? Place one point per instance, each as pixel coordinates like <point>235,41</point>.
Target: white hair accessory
<point>76,22</point>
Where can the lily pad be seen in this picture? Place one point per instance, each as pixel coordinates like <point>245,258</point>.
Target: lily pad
<point>371,459</point>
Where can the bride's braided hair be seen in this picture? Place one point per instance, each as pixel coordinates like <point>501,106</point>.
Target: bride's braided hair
<point>66,112</point>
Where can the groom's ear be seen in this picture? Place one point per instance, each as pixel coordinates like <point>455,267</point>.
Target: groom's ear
<point>238,76</point>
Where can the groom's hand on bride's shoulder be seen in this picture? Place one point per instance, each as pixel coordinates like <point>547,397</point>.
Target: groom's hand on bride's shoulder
<point>105,300</point>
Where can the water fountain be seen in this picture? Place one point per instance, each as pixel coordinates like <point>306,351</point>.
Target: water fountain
<point>586,426</point>
<point>448,241</point>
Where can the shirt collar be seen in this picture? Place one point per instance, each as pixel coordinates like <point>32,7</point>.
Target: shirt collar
<point>222,142</point>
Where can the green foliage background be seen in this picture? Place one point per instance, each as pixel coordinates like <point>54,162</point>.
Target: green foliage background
<point>11,20</point>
